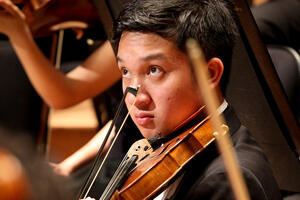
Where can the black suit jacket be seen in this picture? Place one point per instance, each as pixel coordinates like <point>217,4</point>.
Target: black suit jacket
<point>206,178</point>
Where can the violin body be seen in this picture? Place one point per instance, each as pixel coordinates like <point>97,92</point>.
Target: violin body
<point>153,175</point>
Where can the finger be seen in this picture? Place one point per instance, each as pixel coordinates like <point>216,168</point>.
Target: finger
<point>5,3</point>
<point>17,11</point>
<point>17,1</point>
<point>52,164</point>
<point>89,198</point>
<point>7,6</point>
<point>4,15</point>
<point>12,9</point>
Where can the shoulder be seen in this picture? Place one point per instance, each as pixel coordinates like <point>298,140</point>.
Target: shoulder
<point>213,183</point>
<point>216,186</point>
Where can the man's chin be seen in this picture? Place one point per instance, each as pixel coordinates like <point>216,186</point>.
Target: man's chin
<point>148,133</point>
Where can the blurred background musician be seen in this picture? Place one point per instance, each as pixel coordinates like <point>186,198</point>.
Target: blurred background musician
<point>285,61</point>
<point>279,24</point>
<point>95,75</point>
<point>24,174</point>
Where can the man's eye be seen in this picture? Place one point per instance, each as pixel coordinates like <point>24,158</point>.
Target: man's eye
<point>125,72</point>
<point>155,70</point>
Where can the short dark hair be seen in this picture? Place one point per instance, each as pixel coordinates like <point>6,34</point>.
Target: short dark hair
<point>211,22</point>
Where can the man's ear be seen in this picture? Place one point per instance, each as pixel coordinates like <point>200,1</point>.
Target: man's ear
<point>215,69</point>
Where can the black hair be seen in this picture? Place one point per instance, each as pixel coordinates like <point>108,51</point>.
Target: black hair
<point>211,22</point>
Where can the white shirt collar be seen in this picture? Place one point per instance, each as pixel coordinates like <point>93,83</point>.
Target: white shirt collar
<point>222,107</point>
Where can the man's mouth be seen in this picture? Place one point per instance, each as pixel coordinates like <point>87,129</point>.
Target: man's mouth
<point>143,119</point>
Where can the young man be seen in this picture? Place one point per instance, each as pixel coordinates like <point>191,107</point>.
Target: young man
<point>149,40</point>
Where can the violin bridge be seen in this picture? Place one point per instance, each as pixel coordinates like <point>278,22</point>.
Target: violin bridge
<point>141,149</point>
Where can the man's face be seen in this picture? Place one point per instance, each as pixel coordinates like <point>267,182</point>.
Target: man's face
<point>168,93</point>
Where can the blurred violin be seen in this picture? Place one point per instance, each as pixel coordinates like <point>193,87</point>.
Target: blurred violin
<point>50,18</point>
<point>46,16</point>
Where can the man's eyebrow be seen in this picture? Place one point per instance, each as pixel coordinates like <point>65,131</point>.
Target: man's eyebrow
<point>157,56</point>
<point>119,59</point>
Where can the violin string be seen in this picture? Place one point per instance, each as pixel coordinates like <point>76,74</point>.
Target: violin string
<point>129,165</point>
<point>57,59</point>
<point>113,142</point>
<point>120,176</point>
<point>59,49</point>
<point>112,181</point>
<point>121,167</point>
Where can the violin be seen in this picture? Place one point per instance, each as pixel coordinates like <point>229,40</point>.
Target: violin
<point>160,168</point>
<point>152,171</point>
<point>46,16</point>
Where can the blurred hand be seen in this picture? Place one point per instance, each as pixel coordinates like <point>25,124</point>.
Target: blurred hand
<point>61,168</point>
<point>12,19</point>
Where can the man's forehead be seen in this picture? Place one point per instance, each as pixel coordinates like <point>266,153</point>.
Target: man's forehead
<point>145,40</point>
<point>138,34</point>
<point>148,57</point>
<point>144,46</point>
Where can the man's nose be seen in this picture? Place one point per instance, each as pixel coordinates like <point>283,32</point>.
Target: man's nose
<point>142,100</point>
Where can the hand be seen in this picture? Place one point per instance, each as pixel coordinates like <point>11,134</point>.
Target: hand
<point>61,169</point>
<point>12,20</point>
